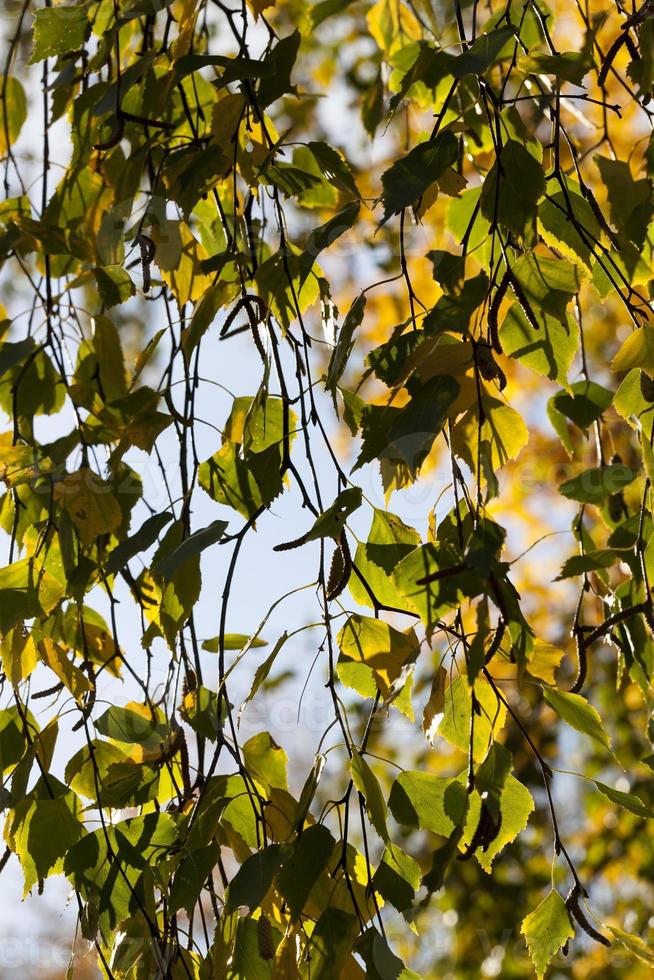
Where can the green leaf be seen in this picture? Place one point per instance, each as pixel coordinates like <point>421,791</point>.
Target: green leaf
<point>454,312</point>
<point>200,709</point>
<point>571,66</point>
<point>367,784</point>
<point>593,486</point>
<point>629,801</point>
<point>381,962</point>
<point>630,201</point>
<point>114,284</point>
<point>411,175</point>
<point>389,541</point>
<point>483,53</point>
<point>142,540</point>
<point>262,671</point>
<point>26,590</point>
<point>285,286</point>
<point>303,867</point>
<point>578,713</point>
<point>138,844</point>
<point>580,564</point>
<point>133,724</point>
<point>331,943</point>
<point>404,436</point>
<point>549,284</point>
<point>191,877</point>
<point>233,641</point>
<point>513,187</point>
<point>331,522</point>
<point>13,739</point>
<point>582,404</point>
<point>432,599</point>
<point>204,314</point>
<point>549,351</point>
<point>455,726</point>
<point>568,224</point>
<point>41,829</point>
<point>110,360</point>
<point>58,30</point>
<point>637,351</point>
<point>427,802</point>
<point>13,354</point>
<point>229,480</point>
<point>251,882</point>
<point>631,404</point>
<point>397,878</point>
<point>278,64</point>
<point>334,168</point>
<point>191,547</point>
<point>344,343</point>
<point>546,930</point>
<point>327,8</point>
<point>500,437</point>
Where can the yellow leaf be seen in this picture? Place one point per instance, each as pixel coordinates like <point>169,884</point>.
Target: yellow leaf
<point>186,18</point>
<point>543,660</point>
<point>18,655</point>
<point>258,6</point>
<point>178,255</point>
<point>392,25</point>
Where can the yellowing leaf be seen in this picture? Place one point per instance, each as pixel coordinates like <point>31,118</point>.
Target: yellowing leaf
<point>634,944</point>
<point>546,930</point>
<point>516,804</point>
<point>178,255</point>
<point>579,713</point>
<point>90,502</point>
<point>73,679</point>
<point>21,464</point>
<point>381,647</point>
<point>13,112</point>
<point>502,435</point>
<point>637,351</point>
<point>457,715</point>
<point>368,785</point>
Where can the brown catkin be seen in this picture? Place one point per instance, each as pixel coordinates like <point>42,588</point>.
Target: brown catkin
<point>493,313</point>
<point>340,570</point>
<point>525,305</point>
<point>574,908</point>
<point>335,572</point>
<point>265,940</point>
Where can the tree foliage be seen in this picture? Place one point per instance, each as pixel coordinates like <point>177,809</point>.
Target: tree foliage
<point>363,290</point>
